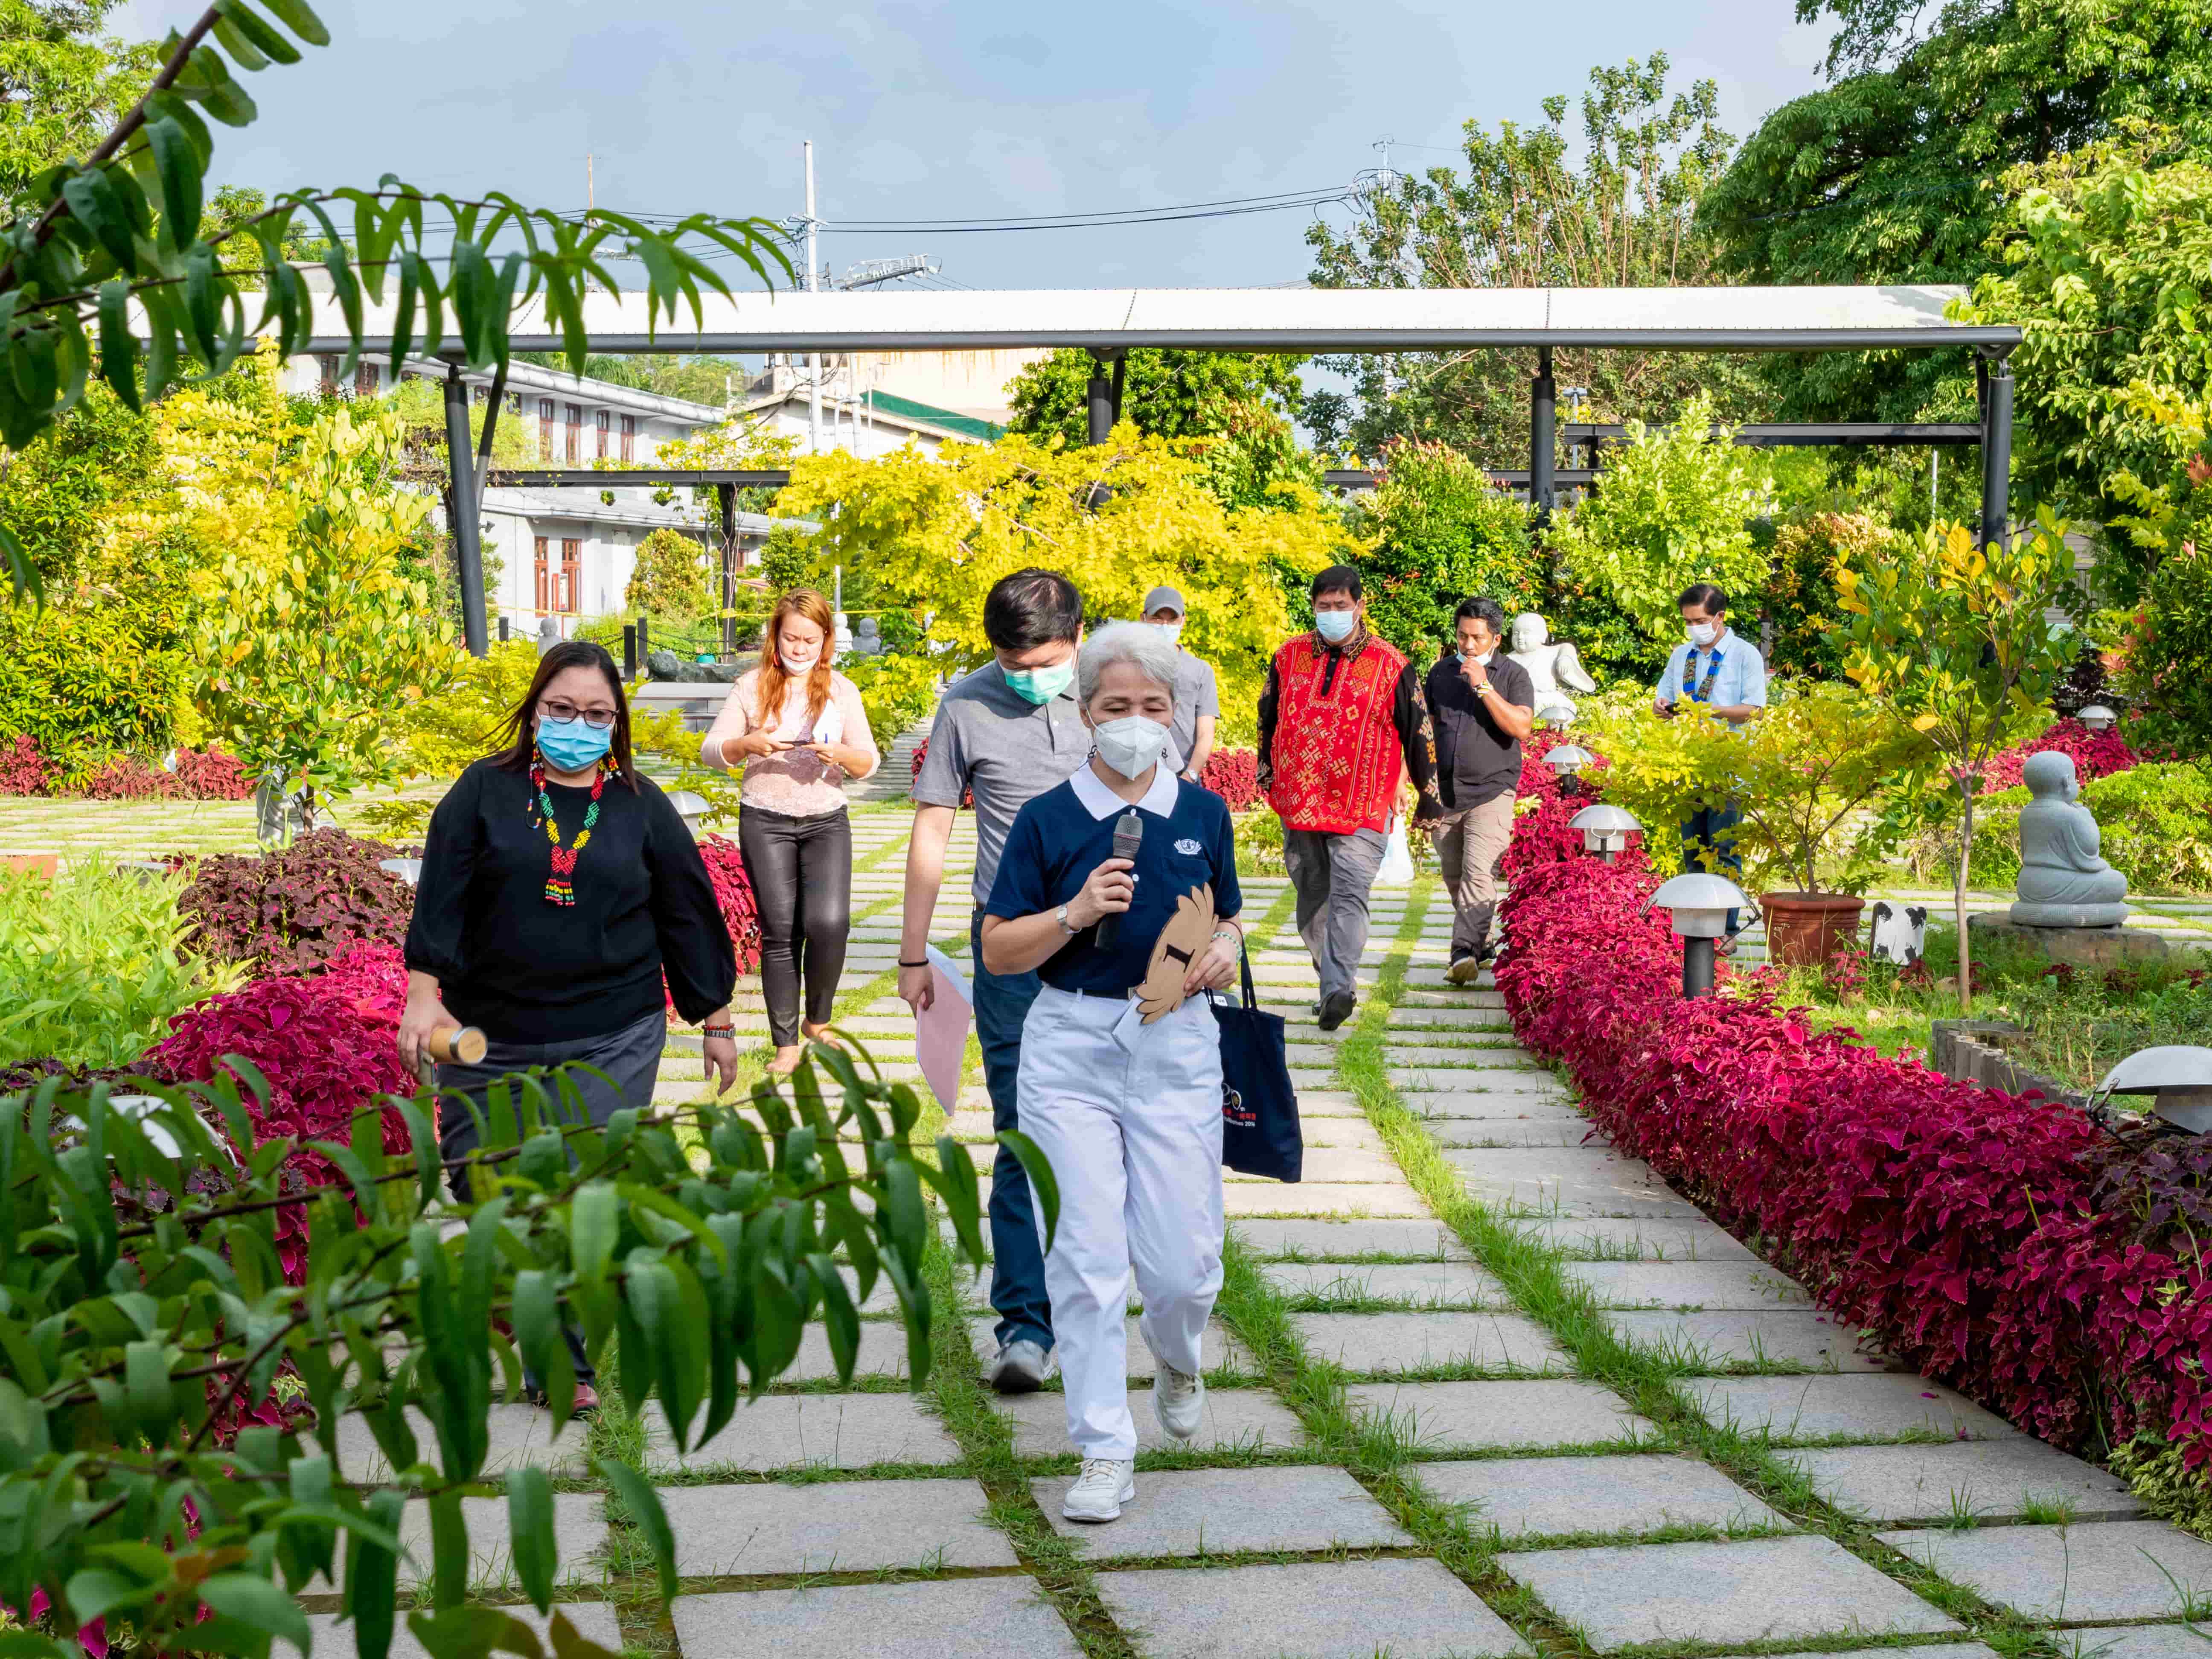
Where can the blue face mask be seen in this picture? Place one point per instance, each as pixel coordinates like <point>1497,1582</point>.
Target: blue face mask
<point>571,745</point>
<point>1041,685</point>
<point>1335,626</point>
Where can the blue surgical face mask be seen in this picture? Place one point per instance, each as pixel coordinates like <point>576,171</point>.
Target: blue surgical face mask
<point>571,745</point>
<point>1335,626</point>
<point>1041,685</point>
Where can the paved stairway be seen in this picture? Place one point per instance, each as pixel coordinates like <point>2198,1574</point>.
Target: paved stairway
<point>1482,1387</point>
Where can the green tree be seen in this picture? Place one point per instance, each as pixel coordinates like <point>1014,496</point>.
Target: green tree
<point>1165,393</point>
<point>1955,640</point>
<point>1890,173</point>
<point>1528,214</point>
<point>665,373</point>
<point>1676,507</point>
<point>1443,532</point>
<point>63,80</point>
<point>670,576</point>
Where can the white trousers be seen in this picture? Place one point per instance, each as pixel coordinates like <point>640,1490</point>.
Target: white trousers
<point>1129,1116</point>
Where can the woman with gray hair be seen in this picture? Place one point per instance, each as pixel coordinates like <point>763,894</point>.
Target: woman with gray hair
<point>1127,1113</point>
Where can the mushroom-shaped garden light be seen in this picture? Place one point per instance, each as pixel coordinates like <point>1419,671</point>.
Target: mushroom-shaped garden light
<point>2097,717</point>
<point>1605,830</point>
<point>1699,901</point>
<point>692,808</point>
<point>2177,1076</point>
<point>408,869</point>
<point>1565,759</point>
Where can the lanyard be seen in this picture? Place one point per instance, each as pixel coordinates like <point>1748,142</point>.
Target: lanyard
<point>1700,690</point>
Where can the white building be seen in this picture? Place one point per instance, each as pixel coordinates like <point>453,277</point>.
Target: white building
<point>859,414</point>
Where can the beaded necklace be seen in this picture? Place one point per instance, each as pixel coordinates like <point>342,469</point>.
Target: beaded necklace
<point>1701,693</point>
<point>560,888</point>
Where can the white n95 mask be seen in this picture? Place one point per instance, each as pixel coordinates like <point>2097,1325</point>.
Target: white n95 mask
<point>1132,745</point>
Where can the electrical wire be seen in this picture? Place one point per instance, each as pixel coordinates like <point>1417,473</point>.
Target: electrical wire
<point>1225,207</point>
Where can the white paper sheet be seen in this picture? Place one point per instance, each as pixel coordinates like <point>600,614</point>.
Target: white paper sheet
<point>940,1031</point>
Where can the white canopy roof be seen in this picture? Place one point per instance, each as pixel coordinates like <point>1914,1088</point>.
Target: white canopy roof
<point>1295,320</point>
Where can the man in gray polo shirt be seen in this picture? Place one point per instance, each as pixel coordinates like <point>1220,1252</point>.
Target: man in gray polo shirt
<point>1006,732</point>
<point>1197,700</point>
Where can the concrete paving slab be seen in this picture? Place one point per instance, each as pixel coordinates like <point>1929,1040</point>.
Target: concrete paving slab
<point>577,1532</point>
<point>1319,1198</point>
<point>1570,1181</point>
<point>1726,1285</point>
<point>1348,1241</point>
<point>1644,1238</point>
<point>884,1621</point>
<point>1329,1609</point>
<point>2104,1570</point>
<point>1564,1128</point>
<point>1931,1650</point>
<point>1425,1284</point>
<point>1439,1417</point>
<point>810,1430</point>
<point>1234,1420</point>
<point>882,1353</point>
<point>595,1621</point>
<point>1325,1165</point>
<point>1876,1406</point>
<point>1756,1590</point>
<point>1520,1498</point>
<point>1389,1345</point>
<point>1223,1352</point>
<point>1219,1511</point>
<point>521,1436</point>
<point>1708,1340</point>
<point>2121,1642</point>
<point>832,1526</point>
<point>1994,1480</point>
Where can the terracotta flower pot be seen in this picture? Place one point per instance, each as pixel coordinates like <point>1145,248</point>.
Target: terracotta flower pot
<point>1808,929</point>
<point>38,864</point>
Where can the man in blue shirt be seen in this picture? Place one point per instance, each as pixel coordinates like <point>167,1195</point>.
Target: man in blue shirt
<point>1725,672</point>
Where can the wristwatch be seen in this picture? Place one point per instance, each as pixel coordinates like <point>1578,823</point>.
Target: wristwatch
<point>1067,928</point>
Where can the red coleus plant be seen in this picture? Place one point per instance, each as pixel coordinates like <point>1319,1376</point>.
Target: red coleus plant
<point>733,893</point>
<point>1961,1225</point>
<point>1234,775</point>
<point>291,909</point>
<point>2096,754</point>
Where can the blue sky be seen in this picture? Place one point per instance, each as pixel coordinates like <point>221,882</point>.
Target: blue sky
<point>959,108</point>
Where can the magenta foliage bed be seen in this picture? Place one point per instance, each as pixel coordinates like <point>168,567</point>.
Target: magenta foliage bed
<point>2096,754</point>
<point>1954,1222</point>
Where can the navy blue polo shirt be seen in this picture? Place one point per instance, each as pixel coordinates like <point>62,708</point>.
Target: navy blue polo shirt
<point>1060,836</point>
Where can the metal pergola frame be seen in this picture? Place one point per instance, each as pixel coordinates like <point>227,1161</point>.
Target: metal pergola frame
<point>1109,323</point>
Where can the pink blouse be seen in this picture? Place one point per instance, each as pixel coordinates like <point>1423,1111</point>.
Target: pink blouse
<point>796,782</point>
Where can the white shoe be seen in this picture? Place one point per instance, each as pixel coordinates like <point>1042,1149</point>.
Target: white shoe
<point>1099,1492</point>
<point>1022,1367</point>
<point>1178,1400</point>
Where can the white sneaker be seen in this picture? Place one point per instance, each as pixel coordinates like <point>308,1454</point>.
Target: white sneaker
<point>1022,1367</point>
<point>1178,1400</point>
<point>1099,1492</point>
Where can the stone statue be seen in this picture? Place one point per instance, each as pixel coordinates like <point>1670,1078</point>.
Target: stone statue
<point>549,636</point>
<point>1548,665</point>
<point>2063,881</point>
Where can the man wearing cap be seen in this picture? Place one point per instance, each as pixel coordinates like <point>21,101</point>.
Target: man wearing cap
<point>1197,700</point>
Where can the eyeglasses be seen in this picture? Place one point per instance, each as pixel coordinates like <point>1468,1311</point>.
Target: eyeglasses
<point>598,718</point>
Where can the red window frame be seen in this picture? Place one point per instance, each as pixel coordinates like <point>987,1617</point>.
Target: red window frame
<point>572,572</point>
<point>575,432</point>
<point>543,549</point>
<point>629,439</point>
<point>546,428</point>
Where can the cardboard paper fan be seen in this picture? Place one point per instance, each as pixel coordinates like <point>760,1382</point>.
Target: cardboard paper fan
<point>1188,931</point>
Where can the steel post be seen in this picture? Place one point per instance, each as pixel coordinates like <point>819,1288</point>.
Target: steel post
<point>727,495</point>
<point>1099,399</point>
<point>461,513</point>
<point>1696,967</point>
<point>629,651</point>
<point>503,635</point>
<point>1997,456</point>
<point>1543,410</point>
<point>644,645</point>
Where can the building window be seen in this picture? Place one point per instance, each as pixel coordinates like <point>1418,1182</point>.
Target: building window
<point>326,376</point>
<point>545,451</point>
<point>575,433</point>
<point>479,394</point>
<point>544,574</point>
<point>364,379</point>
<point>572,572</point>
<point>629,439</point>
<point>602,421</point>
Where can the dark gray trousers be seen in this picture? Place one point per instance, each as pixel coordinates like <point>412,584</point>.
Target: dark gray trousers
<point>1331,875</point>
<point>630,1056</point>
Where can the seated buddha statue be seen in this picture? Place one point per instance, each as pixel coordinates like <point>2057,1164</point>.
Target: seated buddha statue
<point>2063,882</point>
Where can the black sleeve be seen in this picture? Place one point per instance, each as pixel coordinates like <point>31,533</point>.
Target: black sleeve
<point>1418,739</point>
<point>1269,696</point>
<point>695,953</point>
<point>442,891</point>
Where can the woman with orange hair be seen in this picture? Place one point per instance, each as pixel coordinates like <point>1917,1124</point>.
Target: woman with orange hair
<point>796,730</point>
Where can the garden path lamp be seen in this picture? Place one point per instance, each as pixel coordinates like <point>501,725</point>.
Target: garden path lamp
<point>2177,1076</point>
<point>408,869</point>
<point>2097,717</point>
<point>1605,830</point>
<point>1565,760</point>
<point>692,808</point>
<point>1699,902</point>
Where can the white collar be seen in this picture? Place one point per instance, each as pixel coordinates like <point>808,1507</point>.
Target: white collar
<point>1102,803</point>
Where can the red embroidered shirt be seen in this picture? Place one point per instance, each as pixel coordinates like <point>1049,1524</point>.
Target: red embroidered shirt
<point>1336,725</point>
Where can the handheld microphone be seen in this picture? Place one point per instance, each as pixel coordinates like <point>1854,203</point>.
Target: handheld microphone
<point>1128,836</point>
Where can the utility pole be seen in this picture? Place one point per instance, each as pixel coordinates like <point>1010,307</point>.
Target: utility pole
<point>591,199</point>
<point>813,286</point>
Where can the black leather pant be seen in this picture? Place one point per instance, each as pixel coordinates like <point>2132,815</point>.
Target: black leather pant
<point>802,874</point>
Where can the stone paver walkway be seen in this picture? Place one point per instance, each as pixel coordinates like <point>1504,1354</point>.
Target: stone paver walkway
<point>1482,1387</point>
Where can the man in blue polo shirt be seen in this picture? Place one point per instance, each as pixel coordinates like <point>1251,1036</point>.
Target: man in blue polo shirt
<point>1725,672</point>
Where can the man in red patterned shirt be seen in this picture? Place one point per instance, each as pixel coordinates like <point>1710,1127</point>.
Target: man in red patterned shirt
<point>1342,713</point>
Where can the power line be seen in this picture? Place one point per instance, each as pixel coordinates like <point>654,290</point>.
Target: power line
<point>1225,207</point>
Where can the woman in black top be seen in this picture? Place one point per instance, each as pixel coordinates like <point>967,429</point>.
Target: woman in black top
<point>558,886</point>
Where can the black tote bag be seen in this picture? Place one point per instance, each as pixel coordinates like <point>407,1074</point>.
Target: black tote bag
<point>1259,1109</point>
